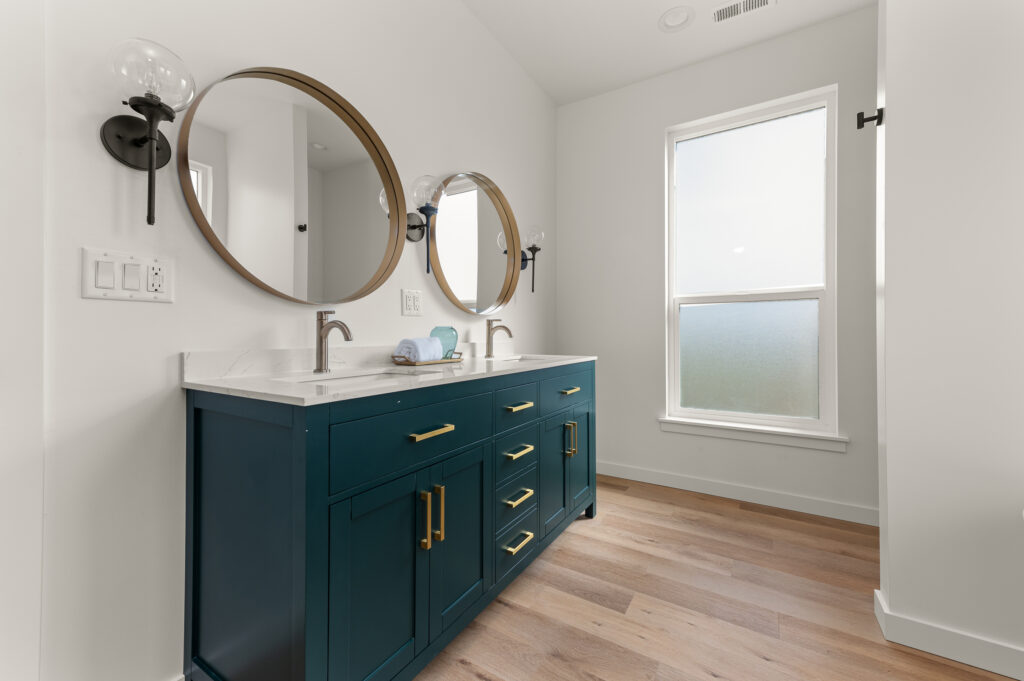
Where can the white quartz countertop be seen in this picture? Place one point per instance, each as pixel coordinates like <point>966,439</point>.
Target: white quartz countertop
<point>280,375</point>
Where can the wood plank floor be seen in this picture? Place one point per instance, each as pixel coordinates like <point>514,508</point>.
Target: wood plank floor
<point>666,585</point>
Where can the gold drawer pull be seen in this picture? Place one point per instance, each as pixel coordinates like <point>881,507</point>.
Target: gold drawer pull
<point>519,407</point>
<point>527,495</point>
<point>570,391</point>
<point>512,456</point>
<point>426,543</point>
<point>420,437</point>
<point>439,491</point>
<point>516,549</point>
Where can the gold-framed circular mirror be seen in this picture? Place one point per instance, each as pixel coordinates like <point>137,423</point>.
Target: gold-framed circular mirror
<point>283,177</point>
<point>476,254</point>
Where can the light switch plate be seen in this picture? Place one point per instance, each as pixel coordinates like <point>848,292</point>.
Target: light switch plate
<point>412,302</point>
<point>156,274</point>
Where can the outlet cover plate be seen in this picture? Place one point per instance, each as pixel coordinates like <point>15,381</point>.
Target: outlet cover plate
<point>159,289</point>
<point>412,302</point>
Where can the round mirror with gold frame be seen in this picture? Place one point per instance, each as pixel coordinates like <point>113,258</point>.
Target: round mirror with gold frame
<point>476,256</point>
<point>283,177</point>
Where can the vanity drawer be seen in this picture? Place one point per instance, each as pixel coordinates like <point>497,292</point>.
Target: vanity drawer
<point>514,406</point>
<point>515,544</point>
<point>372,447</point>
<point>515,452</point>
<point>515,498</point>
<point>565,391</point>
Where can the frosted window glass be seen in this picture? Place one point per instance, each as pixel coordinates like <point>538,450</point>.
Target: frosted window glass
<point>756,358</point>
<point>750,207</point>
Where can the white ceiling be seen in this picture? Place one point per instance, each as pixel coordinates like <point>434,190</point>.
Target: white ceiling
<point>579,48</point>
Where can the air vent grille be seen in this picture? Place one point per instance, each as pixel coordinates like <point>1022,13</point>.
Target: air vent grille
<point>739,8</point>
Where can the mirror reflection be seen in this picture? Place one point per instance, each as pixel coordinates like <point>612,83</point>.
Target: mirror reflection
<point>289,190</point>
<point>473,269</point>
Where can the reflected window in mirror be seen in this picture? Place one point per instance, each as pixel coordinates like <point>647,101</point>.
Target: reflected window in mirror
<point>458,242</point>
<point>202,184</point>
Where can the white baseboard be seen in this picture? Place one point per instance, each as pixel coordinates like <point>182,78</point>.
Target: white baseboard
<point>977,651</point>
<point>756,495</point>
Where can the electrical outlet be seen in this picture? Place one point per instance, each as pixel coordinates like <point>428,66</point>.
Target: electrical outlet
<point>155,282</point>
<point>412,302</point>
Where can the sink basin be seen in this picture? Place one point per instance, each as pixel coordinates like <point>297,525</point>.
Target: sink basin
<point>360,376</point>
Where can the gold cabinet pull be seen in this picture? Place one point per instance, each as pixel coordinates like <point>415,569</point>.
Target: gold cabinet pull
<point>519,407</point>
<point>575,438</point>
<point>516,549</point>
<point>420,437</point>
<point>523,451</point>
<point>426,543</point>
<point>439,491</point>
<point>527,493</point>
<point>572,426</point>
<point>570,391</point>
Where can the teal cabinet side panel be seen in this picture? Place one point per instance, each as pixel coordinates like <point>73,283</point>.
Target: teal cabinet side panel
<point>378,581</point>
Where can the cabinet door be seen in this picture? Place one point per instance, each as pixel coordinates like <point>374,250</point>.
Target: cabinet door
<point>378,581</point>
<point>579,474</point>
<point>461,563</point>
<point>551,466</point>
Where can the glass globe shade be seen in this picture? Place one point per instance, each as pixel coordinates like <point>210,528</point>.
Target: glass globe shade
<point>142,67</point>
<point>502,241</point>
<point>383,199</point>
<point>534,238</point>
<point>424,189</point>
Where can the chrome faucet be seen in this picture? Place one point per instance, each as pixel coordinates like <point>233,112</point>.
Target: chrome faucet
<point>491,329</point>
<point>323,329</point>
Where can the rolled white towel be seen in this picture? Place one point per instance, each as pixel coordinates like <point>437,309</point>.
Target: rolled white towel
<point>420,349</point>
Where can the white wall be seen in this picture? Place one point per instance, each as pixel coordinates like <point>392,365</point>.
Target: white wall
<point>21,338</point>
<point>355,229</point>
<point>953,470</point>
<point>611,268</point>
<point>113,580</point>
<point>261,201</point>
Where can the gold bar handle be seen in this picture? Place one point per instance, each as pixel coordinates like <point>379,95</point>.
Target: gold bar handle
<point>512,456</point>
<point>420,437</point>
<point>426,543</point>
<point>575,438</point>
<point>570,391</point>
<point>439,491</point>
<point>527,495</point>
<point>516,549</point>
<point>571,425</point>
<point>519,407</point>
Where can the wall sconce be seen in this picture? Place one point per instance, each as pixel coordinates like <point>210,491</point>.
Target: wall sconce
<point>154,82</point>
<point>533,239</point>
<point>426,194</point>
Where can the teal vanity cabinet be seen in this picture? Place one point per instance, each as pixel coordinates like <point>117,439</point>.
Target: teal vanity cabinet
<point>352,540</point>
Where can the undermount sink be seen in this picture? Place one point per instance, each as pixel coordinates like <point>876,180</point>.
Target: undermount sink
<point>518,358</point>
<point>356,376</point>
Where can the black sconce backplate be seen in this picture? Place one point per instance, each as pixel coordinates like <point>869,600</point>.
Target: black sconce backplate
<point>125,138</point>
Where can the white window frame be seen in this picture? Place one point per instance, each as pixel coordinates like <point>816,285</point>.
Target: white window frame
<point>738,424</point>
<point>204,192</point>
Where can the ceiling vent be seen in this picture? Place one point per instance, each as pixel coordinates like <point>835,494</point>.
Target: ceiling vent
<point>735,9</point>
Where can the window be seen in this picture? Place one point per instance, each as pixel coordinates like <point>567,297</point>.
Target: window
<point>457,231</point>
<point>751,267</point>
<point>202,184</point>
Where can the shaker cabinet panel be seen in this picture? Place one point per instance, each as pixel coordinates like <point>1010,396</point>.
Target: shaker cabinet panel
<point>460,558</point>
<point>378,581</point>
<point>579,475</point>
<point>554,439</point>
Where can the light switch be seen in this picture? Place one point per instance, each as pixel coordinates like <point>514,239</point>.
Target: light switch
<point>104,274</point>
<point>132,280</point>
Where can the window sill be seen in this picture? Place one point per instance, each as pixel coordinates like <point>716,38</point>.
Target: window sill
<point>786,437</point>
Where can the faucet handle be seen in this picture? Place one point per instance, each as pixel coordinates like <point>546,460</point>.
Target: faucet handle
<point>322,314</point>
